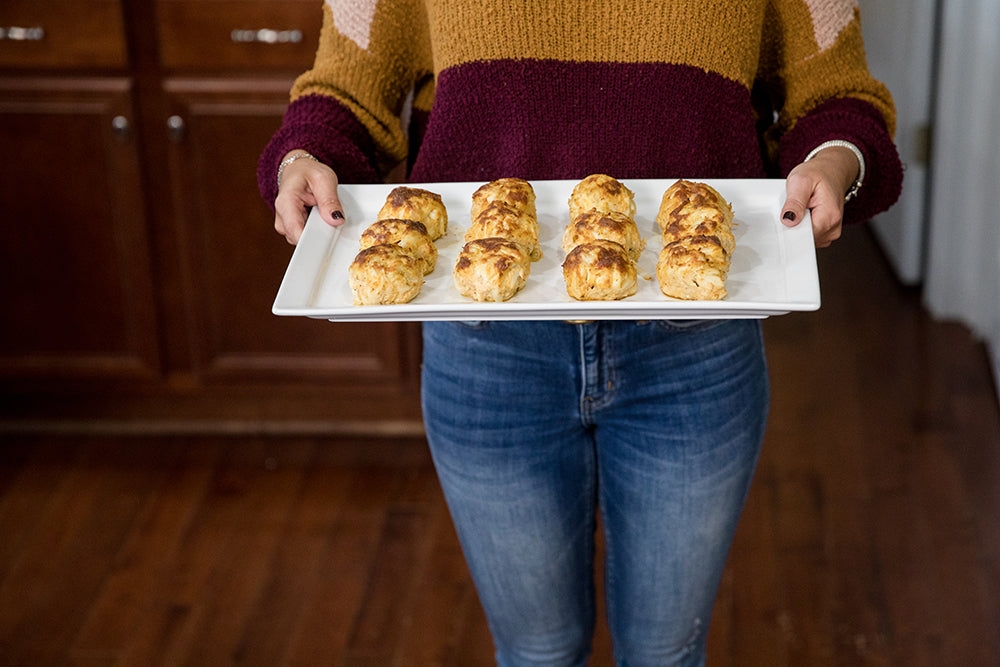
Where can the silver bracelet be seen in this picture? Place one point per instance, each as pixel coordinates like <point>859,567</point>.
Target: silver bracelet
<point>288,160</point>
<point>840,143</point>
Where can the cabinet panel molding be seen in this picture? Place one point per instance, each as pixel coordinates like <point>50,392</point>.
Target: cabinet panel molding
<point>76,242</point>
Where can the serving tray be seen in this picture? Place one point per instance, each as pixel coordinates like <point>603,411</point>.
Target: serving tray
<point>773,269</point>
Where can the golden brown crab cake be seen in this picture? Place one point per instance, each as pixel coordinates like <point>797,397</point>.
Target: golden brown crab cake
<point>694,268</point>
<point>599,270</point>
<point>698,242</point>
<point>705,221</point>
<point>385,274</point>
<point>683,192</point>
<point>515,191</point>
<point>610,226</point>
<point>693,199</point>
<point>602,193</point>
<point>491,269</point>
<point>423,206</point>
<point>501,220</point>
<point>410,235</point>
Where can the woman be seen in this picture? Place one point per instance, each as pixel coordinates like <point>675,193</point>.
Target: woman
<point>535,427</point>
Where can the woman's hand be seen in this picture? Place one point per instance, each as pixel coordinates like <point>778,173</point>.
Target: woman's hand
<point>820,185</point>
<point>305,183</point>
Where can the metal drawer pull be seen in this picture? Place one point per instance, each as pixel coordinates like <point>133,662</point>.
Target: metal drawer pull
<point>267,36</point>
<point>176,128</point>
<point>18,34</point>
<point>121,127</point>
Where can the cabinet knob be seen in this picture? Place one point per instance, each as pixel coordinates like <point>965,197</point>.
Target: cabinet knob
<point>19,34</point>
<point>175,128</point>
<point>267,36</point>
<point>121,127</point>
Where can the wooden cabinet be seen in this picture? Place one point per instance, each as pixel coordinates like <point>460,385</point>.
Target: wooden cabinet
<point>141,262</point>
<point>78,289</point>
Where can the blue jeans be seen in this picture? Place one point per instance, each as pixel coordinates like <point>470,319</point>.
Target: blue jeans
<point>534,427</point>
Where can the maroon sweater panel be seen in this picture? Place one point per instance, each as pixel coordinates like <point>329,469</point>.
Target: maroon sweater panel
<point>539,119</point>
<point>543,119</point>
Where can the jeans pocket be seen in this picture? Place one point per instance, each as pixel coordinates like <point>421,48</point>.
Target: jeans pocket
<point>688,326</point>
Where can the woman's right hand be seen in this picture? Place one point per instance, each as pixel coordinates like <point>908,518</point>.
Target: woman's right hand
<point>305,183</point>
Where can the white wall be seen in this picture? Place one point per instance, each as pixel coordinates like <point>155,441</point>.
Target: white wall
<point>963,268</point>
<point>899,44</point>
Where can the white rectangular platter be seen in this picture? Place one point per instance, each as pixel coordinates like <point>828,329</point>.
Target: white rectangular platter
<point>773,268</point>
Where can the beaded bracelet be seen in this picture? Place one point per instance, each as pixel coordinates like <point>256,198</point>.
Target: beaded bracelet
<point>840,143</point>
<point>288,160</point>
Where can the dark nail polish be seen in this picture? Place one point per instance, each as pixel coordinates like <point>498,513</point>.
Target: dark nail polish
<point>337,215</point>
<point>789,215</point>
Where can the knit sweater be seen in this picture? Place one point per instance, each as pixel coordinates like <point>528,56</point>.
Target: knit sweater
<point>465,90</point>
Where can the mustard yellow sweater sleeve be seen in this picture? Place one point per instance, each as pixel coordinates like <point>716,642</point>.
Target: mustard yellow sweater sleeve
<point>374,58</point>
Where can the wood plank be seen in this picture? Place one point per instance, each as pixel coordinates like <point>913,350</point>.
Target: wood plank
<point>324,630</point>
<point>299,564</point>
<point>169,508</point>
<point>750,633</point>
<point>32,478</point>
<point>442,598</point>
<point>66,558</point>
<point>265,493</point>
<point>390,589</point>
<point>186,598</point>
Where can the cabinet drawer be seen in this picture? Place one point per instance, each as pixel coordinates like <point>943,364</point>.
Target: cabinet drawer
<point>62,34</point>
<point>247,35</point>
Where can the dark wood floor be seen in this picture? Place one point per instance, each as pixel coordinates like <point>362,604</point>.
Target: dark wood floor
<point>871,537</point>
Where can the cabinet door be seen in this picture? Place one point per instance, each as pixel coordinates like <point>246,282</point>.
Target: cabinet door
<point>75,263</point>
<point>234,260</point>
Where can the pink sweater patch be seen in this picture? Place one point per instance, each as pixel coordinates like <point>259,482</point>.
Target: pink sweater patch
<point>829,18</point>
<point>354,19</point>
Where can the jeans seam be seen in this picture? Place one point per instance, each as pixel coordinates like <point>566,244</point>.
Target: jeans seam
<point>585,402</point>
<point>609,369</point>
<point>610,601</point>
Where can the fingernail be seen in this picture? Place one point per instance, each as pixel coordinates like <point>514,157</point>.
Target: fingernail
<point>337,215</point>
<point>789,215</point>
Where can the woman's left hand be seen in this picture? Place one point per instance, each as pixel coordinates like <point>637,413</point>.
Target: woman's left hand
<point>819,185</point>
